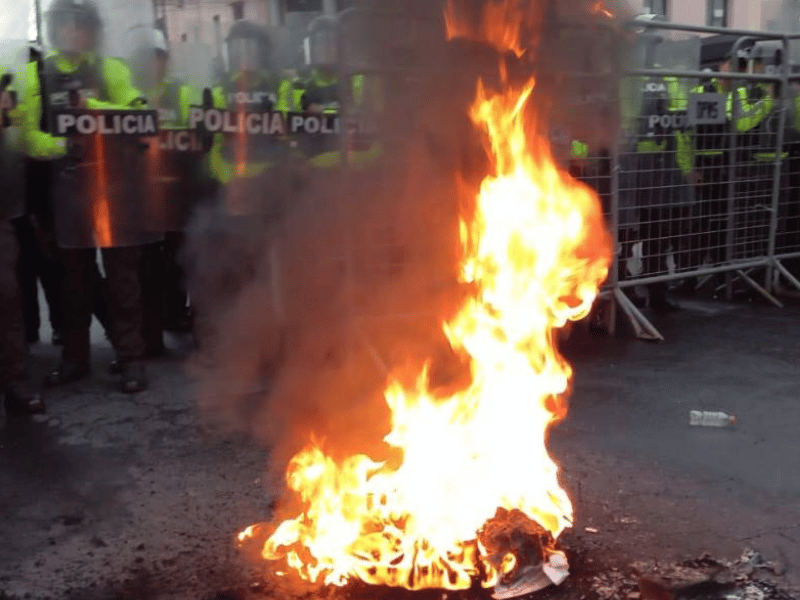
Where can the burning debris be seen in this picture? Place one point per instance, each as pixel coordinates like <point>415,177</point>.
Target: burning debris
<point>535,252</point>
<point>597,574</point>
<point>524,552</point>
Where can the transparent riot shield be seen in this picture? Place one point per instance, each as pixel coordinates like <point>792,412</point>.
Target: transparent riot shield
<point>195,58</point>
<point>587,107</point>
<point>13,59</point>
<point>639,54</point>
<point>102,191</point>
<point>176,161</point>
<point>793,60</point>
<point>100,186</point>
<point>681,55</point>
<point>250,150</point>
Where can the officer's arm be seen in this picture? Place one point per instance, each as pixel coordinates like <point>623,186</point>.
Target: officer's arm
<point>358,90</point>
<point>579,149</point>
<point>219,98</point>
<point>218,168</point>
<point>186,95</point>
<point>678,99</point>
<point>684,154</point>
<point>38,144</point>
<point>797,112</point>
<point>122,92</point>
<point>750,113</point>
<point>284,96</point>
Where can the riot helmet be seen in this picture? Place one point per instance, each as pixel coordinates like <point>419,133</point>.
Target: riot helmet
<point>321,46</point>
<point>149,58</point>
<point>74,26</point>
<point>248,47</point>
<point>766,56</point>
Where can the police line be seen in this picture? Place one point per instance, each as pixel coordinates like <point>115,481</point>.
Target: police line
<point>211,120</point>
<point>263,123</point>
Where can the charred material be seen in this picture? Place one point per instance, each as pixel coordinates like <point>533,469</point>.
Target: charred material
<point>514,533</point>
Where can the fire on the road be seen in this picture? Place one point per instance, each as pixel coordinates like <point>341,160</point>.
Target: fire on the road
<point>535,253</point>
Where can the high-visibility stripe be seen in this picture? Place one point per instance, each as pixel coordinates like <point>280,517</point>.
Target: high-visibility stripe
<point>768,156</point>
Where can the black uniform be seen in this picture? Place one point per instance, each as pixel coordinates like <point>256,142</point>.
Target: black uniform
<point>93,205</point>
<point>13,346</point>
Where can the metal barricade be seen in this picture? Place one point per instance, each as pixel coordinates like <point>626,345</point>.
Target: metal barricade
<point>701,187</point>
<point>703,183</point>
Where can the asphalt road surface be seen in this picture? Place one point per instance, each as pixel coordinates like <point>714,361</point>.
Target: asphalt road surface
<point>111,496</point>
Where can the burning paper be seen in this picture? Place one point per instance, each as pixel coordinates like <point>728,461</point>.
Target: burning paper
<point>535,251</point>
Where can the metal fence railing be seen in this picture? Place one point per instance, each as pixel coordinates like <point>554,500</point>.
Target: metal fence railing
<point>701,186</point>
<point>705,186</point>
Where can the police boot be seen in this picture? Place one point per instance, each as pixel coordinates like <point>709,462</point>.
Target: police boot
<point>74,359</point>
<point>22,399</point>
<point>67,372</point>
<point>658,298</point>
<point>133,378</point>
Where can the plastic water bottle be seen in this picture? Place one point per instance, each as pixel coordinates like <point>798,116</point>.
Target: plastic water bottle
<point>706,418</point>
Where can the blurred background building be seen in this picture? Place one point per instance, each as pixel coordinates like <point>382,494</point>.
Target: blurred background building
<point>769,15</point>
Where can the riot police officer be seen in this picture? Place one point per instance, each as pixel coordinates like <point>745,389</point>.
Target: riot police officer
<point>253,189</point>
<point>659,174</point>
<point>242,163</point>
<point>318,89</point>
<point>754,120</point>
<point>711,163</point>
<point>14,383</point>
<point>176,162</point>
<point>97,190</point>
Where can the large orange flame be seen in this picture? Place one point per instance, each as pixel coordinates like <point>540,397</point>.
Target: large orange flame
<point>535,253</point>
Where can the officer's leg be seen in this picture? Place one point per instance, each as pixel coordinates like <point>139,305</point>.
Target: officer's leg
<point>651,247</point>
<point>126,317</point>
<point>153,275</point>
<point>19,396</point>
<point>27,273</point>
<point>176,297</point>
<point>655,244</point>
<point>702,231</point>
<point>51,274</point>
<point>789,238</point>
<point>219,277</point>
<point>77,304</point>
<point>100,298</point>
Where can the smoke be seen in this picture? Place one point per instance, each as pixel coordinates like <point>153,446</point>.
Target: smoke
<point>18,22</point>
<point>368,261</point>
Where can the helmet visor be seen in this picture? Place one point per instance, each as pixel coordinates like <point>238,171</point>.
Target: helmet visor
<point>245,54</point>
<point>323,48</point>
<point>72,30</point>
<point>148,66</point>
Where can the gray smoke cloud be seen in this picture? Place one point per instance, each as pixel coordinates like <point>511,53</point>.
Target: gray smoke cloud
<point>369,260</point>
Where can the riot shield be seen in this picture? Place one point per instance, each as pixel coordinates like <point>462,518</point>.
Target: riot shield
<point>100,187</point>
<point>13,58</point>
<point>101,190</point>
<point>681,55</point>
<point>194,59</point>
<point>640,54</point>
<point>352,92</point>
<point>175,161</point>
<point>249,156</point>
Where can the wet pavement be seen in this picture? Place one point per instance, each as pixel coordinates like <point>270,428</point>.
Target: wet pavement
<point>112,496</point>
